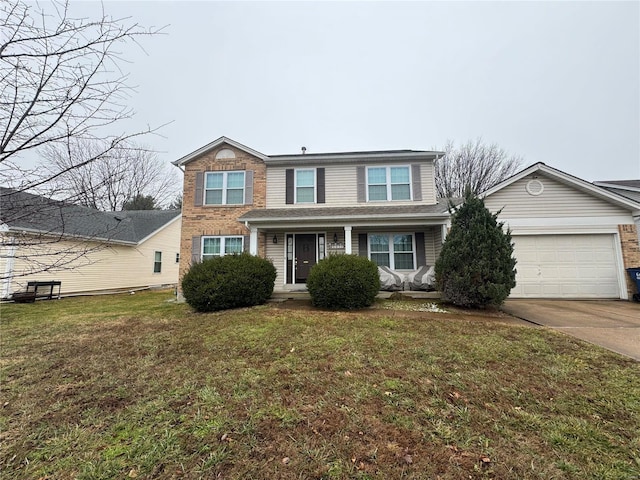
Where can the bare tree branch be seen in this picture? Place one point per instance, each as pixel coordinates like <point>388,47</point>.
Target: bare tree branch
<point>61,84</point>
<point>475,166</point>
<point>111,179</point>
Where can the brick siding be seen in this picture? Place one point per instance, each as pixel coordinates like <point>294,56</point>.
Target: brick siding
<point>630,252</point>
<point>218,220</point>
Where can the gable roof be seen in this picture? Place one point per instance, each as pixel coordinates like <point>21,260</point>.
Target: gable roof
<point>567,179</point>
<point>215,144</point>
<point>311,157</point>
<point>25,212</point>
<point>626,188</point>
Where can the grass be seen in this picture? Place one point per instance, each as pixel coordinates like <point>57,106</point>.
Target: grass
<point>138,387</point>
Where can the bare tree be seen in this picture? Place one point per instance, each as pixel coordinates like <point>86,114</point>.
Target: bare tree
<point>475,166</point>
<point>113,178</point>
<point>60,80</point>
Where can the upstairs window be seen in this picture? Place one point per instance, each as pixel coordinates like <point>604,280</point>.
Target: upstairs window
<point>306,186</point>
<point>388,183</point>
<point>395,251</point>
<point>224,188</point>
<point>220,246</point>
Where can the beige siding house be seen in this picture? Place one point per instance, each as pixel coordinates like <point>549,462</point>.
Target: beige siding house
<point>572,239</point>
<point>86,250</point>
<point>297,209</point>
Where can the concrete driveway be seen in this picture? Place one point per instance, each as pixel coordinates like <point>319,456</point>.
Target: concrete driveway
<point>612,324</point>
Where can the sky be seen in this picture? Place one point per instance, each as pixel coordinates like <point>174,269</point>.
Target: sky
<point>552,82</point>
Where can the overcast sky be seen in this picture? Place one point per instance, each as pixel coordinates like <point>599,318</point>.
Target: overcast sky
<point>553,82</point>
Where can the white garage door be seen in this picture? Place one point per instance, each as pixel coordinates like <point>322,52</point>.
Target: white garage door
<point>566,266</point>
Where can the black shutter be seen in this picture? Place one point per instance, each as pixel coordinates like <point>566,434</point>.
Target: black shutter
<point>195,249</point>
<point>421,256</point>
<point>320,182</point>
<point>416,183</point>
<point>362,193</point>
<point>199,189</point>
<point>363,249</point>
<point>289,186</point>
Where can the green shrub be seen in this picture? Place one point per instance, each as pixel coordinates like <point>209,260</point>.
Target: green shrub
<point>343,282</point>
<point>226,282</point>
<point>475,267</point>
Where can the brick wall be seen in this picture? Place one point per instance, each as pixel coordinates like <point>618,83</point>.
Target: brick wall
<point>218,220</point>
<point>630,252</point>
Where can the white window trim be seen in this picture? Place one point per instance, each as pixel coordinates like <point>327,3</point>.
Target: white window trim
<point>388,182</point>
<point>315,185</point>
<point>223,239</point>
<point>225,174</point>
<point>157,262</point>
<point>392,260</point>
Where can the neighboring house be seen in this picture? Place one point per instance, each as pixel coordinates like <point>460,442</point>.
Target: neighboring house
<point>572,239</point>
<point>87,250</point>
<point>296,209</point>
<point>627,188</point>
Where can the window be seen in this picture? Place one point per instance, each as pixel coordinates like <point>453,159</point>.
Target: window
<point>224,188</point>
<point>388,183</point>
<point>394,250</point>
<point>306,186</point>
<point>157,262</point>
<point>220,246</point>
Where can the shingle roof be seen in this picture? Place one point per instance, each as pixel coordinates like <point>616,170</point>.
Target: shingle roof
<point>22,211</point>
<point>625,188</point>
<point>440,209</point>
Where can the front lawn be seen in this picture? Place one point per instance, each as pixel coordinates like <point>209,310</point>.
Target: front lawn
<point>134,386</point>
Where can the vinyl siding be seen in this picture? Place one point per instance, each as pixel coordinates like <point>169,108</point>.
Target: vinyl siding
<point>109,267</point>
<point>275,253</point>
<point>556,201</point>
<point>341,186</point>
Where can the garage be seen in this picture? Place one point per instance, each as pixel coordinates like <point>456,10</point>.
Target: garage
<point>566,266</point>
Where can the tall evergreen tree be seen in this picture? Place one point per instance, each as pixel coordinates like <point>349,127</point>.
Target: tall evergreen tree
<point>476,267</point>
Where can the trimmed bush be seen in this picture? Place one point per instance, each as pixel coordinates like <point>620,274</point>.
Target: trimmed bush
<point>227,282</point>
<point>475,267</point>
<point>343,282</point>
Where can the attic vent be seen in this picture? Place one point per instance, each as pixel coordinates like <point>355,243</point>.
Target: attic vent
<point>534,187</point>
<point>225,154</point>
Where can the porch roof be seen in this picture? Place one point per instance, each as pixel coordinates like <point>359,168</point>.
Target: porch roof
<point>438,212</point>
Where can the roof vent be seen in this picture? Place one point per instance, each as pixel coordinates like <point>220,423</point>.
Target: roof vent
<point>304,150</point>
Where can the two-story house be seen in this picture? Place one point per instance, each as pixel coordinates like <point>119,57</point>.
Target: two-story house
<point>571,238</point>
<point>296,209</point>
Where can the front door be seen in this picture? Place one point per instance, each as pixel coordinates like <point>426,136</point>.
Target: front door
<point>305,256</point>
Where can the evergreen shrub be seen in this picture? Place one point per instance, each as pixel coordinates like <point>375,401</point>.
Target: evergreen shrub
<point>230,281</point>
<point>475,267</point>
<point>343,282</point>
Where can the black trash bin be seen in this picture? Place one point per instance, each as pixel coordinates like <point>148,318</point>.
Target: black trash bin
<point>634,273</point>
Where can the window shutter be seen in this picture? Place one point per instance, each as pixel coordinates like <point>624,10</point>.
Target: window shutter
<point>362,245</point>
<point>195,249</point>
<point>289,186</point>
<point>362,193</point>
<point>421,257</point>
<point>246,242</point>
<point>320,182</point>
<point>416,183</point>
<point>248,187</point>
<point>199,189</point>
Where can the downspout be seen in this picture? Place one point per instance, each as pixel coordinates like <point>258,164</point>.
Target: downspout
<point>7,277</point>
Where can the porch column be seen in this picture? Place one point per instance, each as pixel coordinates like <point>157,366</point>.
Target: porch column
<point>347,240</point>
<point>253,241</point>
<point>444,232</point>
